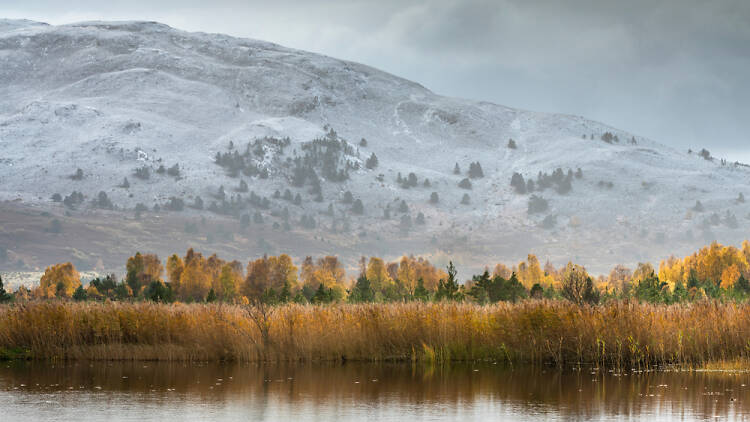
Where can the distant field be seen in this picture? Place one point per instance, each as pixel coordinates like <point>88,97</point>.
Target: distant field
<point>101,241</point>
<point>12,280</point>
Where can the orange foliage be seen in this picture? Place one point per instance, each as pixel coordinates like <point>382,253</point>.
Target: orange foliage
<point>716,263</point>
<point>59,280</point>
<point>143,269</point>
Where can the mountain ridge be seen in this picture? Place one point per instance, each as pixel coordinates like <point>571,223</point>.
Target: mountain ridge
<point>112,97</point>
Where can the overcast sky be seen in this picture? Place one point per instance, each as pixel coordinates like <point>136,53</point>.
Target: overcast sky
<point>677,71</point>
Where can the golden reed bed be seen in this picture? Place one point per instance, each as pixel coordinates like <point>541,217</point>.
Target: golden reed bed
<point>616,334</point>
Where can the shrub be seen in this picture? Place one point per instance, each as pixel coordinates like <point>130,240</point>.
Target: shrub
<point>372,162</point>
<point>518,183</point>
<point>475,170</point>
<point>537,204</point>
<point>175,204</point>
<point>465,183</point>
<point>55,226</point>
<point>103,202</point>
<point>174,171</point>
<point>403,207</point>
<point>143,173</point>
<point>358,208</point>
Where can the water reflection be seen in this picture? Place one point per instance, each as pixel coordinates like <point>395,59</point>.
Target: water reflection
<point>160,391</point>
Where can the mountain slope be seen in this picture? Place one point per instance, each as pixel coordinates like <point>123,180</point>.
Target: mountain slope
<point>113,97</point>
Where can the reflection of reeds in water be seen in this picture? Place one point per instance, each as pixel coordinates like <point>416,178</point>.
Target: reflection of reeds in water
<point>322,388</point>
<point>612,335</point>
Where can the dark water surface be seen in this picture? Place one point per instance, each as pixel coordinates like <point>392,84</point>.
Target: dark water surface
<point>360,392</point>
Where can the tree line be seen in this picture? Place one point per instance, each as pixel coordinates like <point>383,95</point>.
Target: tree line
<point>715,271</point>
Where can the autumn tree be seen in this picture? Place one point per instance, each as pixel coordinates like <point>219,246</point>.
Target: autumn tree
<point>268,277</point>
<point>175,267</point>
<point>501,270</point>
<point>327,271</point>
<point>642,271</point>
<point>406,276</point>
<point>729,276</point>
<point>577,286</point>
<point>257,278</point>
<point>142,270</point>
<point>378,276</point>
<point>620,278</point>
<point>59,280</point>
<point>230,281</point>
<point>195,281</point>
<point>530,273</point>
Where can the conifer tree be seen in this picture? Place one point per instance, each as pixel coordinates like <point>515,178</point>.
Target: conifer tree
<point>372,162</point>
<point>362,291</point>
<point>420,292</point>
<point>4,296</point>
<point>448,289</point>
<point>518,183</point>
<point>402,207</point>
<point>80,294</point>
<point>322,295</point>
<point>358,208</point>
<point>285,296</point>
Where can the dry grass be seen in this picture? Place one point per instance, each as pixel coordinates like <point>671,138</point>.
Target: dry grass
<point>614,335</point>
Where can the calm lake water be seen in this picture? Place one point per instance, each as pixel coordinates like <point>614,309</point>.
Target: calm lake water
<point>360,392</point>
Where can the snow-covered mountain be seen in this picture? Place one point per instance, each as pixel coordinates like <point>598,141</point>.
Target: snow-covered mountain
<point>111,98</point>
